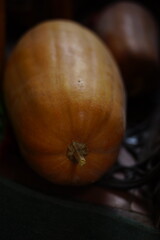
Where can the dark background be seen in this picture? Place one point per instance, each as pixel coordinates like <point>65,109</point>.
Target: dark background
<point>23,14</point>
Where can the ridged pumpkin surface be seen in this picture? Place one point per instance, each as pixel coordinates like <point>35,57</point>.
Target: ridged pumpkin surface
<point>65,99</point>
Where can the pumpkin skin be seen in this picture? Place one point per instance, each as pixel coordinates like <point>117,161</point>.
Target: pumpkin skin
<point>131,33</point>
<point>67,106</point>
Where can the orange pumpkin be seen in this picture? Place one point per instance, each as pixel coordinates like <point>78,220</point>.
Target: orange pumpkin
<point>66,101</point>
<point>131,33</point>
<point>1,32</point>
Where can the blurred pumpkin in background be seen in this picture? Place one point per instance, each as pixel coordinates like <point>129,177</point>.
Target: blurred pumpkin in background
<point>131,33</point>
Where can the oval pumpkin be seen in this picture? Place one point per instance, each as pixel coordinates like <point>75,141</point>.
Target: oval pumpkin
<point>66,101</point>
<point>131,33</point>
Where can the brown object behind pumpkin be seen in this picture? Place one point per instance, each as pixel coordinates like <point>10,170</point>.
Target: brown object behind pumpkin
<point>131,33</point>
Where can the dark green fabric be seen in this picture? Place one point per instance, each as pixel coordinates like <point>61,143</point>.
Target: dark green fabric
<point>26,215</point>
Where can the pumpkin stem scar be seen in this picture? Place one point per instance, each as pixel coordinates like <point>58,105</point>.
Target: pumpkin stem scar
<point>76,153</point>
